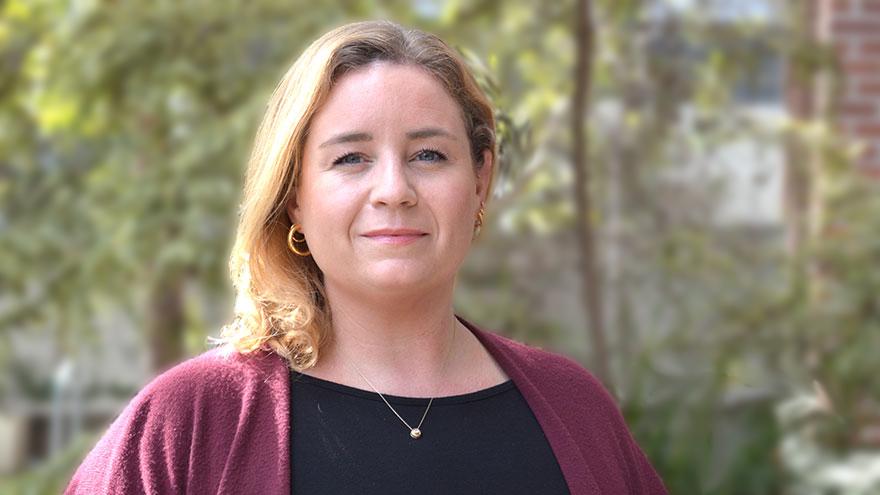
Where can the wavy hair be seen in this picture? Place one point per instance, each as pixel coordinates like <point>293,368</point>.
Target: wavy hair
<point>280,300</point>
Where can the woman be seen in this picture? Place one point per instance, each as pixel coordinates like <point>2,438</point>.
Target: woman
<point>346,369</point>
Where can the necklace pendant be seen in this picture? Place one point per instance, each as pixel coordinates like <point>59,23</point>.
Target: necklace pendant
<point>415,433</point>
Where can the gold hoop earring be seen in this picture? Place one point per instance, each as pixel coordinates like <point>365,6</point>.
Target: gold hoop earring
<point>478,223</point>
<point>292,240</point>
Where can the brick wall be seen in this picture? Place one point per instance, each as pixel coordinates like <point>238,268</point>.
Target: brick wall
<point>854,28</point>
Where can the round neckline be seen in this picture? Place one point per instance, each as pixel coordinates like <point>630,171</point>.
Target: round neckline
<point>402,400</point>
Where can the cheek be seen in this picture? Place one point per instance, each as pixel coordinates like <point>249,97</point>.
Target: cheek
<point>327,222</point>
<point>328,216</point>
<point>326,206</point>
<point>459,204</point>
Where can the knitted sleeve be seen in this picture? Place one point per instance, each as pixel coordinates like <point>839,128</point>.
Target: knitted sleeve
<point>593,416</point>
<point>209,425</point>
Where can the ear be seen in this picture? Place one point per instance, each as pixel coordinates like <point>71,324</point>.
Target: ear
<point>484,176</point>
<point>293,212</point>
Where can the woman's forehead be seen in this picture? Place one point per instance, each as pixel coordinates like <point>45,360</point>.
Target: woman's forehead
<point>388,97</point>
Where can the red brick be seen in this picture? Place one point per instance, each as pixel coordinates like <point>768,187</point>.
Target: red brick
<point>869,164</point>
<point>853,108</point>
<point>868,155</point>
<point>865,66</point>
<point>871,170</point>
<point>871,48</point>
<point>842,5</point>
<point>870,88</point>
<point>868,130</point>
<point>862,27</point>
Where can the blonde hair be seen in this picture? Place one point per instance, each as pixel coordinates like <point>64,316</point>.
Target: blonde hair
<point>281,304</point>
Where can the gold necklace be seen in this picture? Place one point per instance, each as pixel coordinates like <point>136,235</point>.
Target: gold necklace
<point>416,432</point>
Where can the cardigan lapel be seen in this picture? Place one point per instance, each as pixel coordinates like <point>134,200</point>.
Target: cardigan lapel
<point>574,467</point>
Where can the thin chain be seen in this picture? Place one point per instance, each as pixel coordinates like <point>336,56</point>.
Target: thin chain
<point>392,409</point>
<point>443,369</point>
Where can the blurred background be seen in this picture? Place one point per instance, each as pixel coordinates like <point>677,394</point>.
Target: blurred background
<point>687,204</point>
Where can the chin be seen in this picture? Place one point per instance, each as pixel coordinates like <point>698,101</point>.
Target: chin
<point>402,277</point>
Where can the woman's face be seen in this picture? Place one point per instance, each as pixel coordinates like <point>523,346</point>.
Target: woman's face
<point>389,193</point>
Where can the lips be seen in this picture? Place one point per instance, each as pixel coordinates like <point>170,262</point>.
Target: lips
<point>397,237</point>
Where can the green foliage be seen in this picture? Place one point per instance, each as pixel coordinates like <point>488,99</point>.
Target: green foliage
<point>52,476</point>
<point>128,127</point>
<point>125,126</point>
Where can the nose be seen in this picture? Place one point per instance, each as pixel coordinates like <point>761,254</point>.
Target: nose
<point>392,184</point>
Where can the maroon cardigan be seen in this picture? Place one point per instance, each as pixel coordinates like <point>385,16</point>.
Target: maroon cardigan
<point>220,423</point>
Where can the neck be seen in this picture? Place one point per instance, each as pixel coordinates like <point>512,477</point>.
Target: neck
<point>401,344</point>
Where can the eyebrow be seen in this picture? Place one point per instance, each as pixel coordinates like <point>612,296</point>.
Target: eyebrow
<point>429,132</point>
<point>354,137</point>
<point>348,137</point>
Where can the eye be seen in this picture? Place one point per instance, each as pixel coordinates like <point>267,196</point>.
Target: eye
<point>429,155</point>
<point>348,159</point>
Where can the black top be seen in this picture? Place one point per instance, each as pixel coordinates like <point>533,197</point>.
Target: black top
<point>346,440</point>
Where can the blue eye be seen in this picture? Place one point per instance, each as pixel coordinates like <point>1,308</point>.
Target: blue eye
<point>428,155</point>
<point>348,159</point>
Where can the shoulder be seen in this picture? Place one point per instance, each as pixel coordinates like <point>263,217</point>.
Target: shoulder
<point>534,356</point>
<point>560,384</point>
<point>558,387</point>
<point>554,373</point>
<point>215,374</point>
<point>216,387</point>
<point>198,404</point>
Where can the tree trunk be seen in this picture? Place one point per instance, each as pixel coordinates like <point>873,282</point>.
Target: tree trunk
<point>808,97</point>
<point>591,278</point>
<point>165,323</point>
